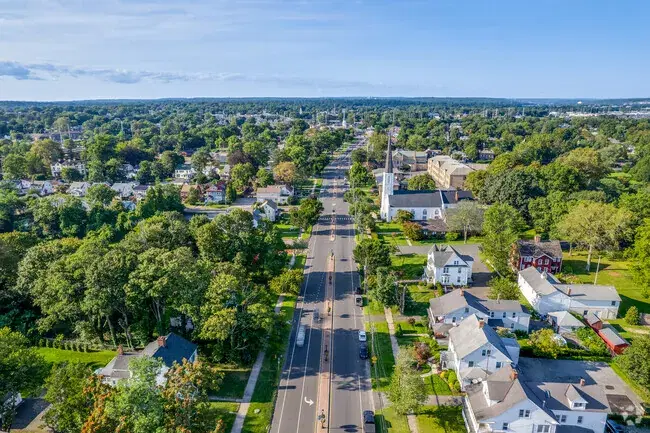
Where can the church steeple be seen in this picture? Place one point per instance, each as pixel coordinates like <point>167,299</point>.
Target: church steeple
<point>389,158</point>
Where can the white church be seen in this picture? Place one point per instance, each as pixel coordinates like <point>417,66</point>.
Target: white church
<point>424,205</point>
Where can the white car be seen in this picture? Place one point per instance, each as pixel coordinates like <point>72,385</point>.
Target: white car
<point>362,336</point>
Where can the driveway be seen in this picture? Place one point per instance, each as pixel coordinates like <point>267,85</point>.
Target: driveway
<point>480,272</point>
<point>620,397</point>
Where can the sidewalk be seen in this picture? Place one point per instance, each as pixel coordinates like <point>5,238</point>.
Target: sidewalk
<point>411,418</point>
<point>252,381</point>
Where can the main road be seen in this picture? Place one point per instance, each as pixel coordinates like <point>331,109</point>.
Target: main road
<point>342,381</point>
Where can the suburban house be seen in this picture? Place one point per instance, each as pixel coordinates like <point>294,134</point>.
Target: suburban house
<point>507,402</point>
<point>544,255</point>
<point>447,172</point>
<point>78,189</point>
<point>58,167</point>
<point>184,171</point>
<point>476,350</point>
<point>140,191</point>
<point>547,295</point>
<point>42,187</point>
<point>486,154</point>
<point>186,188</point>
<point>564,322</point>
<point>448,267</point>
<point>215,193</point>
<point>270,209</point>
<point>410,160</point>
<point>124,190</point>
<point>452,308</point>
<point>129,171</point>
<point>170,348</point>
<point>280,194</point>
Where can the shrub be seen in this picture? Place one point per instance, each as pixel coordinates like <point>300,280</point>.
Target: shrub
<point>422,353</point>
<point>411,321</point>
<point>632,316</point>
<point>452,236</point>
<point>591,341</point>
<point>520,333</point>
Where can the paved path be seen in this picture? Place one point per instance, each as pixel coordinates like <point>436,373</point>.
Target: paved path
<point>252,381</point>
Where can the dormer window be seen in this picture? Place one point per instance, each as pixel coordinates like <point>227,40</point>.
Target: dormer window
<point>578,405</point>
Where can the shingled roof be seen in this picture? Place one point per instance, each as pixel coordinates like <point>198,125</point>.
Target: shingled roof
<point>538,248</point>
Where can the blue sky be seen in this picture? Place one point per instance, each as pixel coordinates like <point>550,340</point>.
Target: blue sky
<point>88,49</point>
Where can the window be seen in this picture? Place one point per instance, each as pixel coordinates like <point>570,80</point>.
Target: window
<point>492,314</point>
<point>514,315</point>
<point>424,213</point>
<point>467,309</point>
<point>470,363</point>
<point>561,418</point>
<point>498,365</point>
<point>504,314</point>
<point>458,279</point>
<point>578,405</point>
<point>546,262</point>
<point>445,270</point>
<point>486,352</point>
<point>455,262</point>
<point>543,428</point>
<point>504,427</point>
<point>584,313</point>
<point>460,270</point>
<point>527,414</point>
<point>512,326</point>
<point>613,303</point>
<point>453,319</point>
<point>521,413</point>
<point>580,419</point>
<point>524,413</point>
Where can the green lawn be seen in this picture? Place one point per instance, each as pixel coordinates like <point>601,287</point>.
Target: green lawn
<point>307,233</point>
<point>224,411</point>
<point>234,381</point>
<point>373,308</point>
<point>92,359</point>
<point>441,419</point>
<point>409,266</point>
<point>420,296</point>
<point>267,382</point>
<point>287,231</point>
<point>436,385</point>
<point>612,272</point>
<point>300,261</point>
<point>382,369</point>
<point>389,421</point>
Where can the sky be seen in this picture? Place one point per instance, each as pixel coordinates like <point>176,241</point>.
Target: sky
<point>114,49</point>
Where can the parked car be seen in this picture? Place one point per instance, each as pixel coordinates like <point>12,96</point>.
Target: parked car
<point>362,336</point>
<point>358,290</point>
<point>358,300</point>
<point>368,421</point>
<point>363,351</point>
<point>614,427</point>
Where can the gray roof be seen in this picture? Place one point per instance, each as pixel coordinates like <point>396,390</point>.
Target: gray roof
<point>460,298</point>
<point>567,428</point>
<point>442,254</point>
<point>592,319</point>
<point>565,318</point>
<point>468,336</point>
<point>538,281</point>
<point>589,292</point>
<point>436,198</point>
<point>271,204</point>
<point>559,394</point>
<point>176,349</point>
<point>550,248</point>
<point>610,334</point>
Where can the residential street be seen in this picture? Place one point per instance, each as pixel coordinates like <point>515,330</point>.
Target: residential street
<point>298,407</point>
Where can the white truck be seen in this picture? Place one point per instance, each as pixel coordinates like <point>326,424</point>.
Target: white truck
<point>300,337</point>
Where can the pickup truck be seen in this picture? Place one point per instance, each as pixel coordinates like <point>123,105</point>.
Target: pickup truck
<point>368,421</point>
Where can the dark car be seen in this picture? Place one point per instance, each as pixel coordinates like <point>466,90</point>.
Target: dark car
<point>363,351</point>
<point>368,421</point>
<point>358,290</point>
<point>614,427</point>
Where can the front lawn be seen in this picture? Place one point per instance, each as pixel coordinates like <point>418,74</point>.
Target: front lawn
<point>441,419</point>
<point>224,411</point>
<point>420,297</point>
<point>382,353</point>
<point>409,266</point>
<point>94,360</point>
<point>234,381</point>
<point>389,421</point>
<point>436,385</point>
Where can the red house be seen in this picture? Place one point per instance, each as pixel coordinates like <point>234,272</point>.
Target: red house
<point>613,339</point>
<point>544,255</point>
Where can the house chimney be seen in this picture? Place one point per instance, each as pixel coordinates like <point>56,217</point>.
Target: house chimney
<point>582,381</point>
<point>537,239</point>
<point>461,292</point>
<point>481,323</point>
<point>514,374</point>
<point>162,341</point>
<point>120,350</point>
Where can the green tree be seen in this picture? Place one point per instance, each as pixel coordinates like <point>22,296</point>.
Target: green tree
<point>263,177</point>
<point>586,161</point>
<point>288,281</point>
<point>231,193</point>
<point>160,198</point>
<point>194,196</point>
<point>22,370</point>
<point>69,406</point>
<point>407,391</point>
<point>384,287</point>
<point>359,175</point>
<point>421,182</point>
<point>48,151</point>
<point>595,226</point>
<point>514,187</point>
<point>241,175</point>
<point>372,254</point>
<point>503,288</point>
<point>69,174</point>
<point>100,194</point>
<point>403,216</point>
<point>544,343</point>
<point>10,204</point>
<point>285,172</point>
<point>14,167</point>
<point>466,217</point>
<point>307,214</point>
<point>200,159</point>
<point>636,362</point>
<point>413,231</point>
<point>502,224</point>
<point>632,316</point>
<point>640,265</point>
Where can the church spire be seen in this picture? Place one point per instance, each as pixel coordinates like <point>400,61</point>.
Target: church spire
<point>389,157</point>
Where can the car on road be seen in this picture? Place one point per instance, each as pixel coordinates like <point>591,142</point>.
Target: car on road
<point>359,290</point>
<point>358,300</point>
<point>300,338</point>
<point>362,336</point>
<point>368,421</point>
<point>363,351</point>
<point>614,427</point>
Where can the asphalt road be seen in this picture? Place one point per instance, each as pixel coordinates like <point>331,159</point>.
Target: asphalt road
<point>350,376</point>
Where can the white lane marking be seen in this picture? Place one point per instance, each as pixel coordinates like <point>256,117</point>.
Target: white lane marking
<point>310,402</point>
